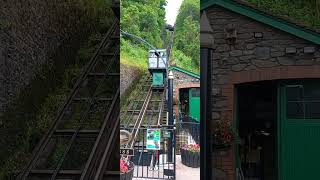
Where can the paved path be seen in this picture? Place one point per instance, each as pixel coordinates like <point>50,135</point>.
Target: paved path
<point>184,172</point>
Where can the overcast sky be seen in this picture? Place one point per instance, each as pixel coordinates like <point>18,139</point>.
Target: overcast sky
<point>172,10</point>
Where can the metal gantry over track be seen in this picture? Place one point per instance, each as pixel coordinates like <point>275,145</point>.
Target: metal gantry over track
<point>81,142</point>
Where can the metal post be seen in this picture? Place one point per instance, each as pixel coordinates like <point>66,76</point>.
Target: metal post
<point>170,110</point>
<point>205,112</point>
<point>206,49</point>
<point>174,152</point>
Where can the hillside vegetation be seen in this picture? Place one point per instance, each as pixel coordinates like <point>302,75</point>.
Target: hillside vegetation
<point>306,12</point>
<point>145,19</point>
<point>186,51</point>
<point>46,45</point>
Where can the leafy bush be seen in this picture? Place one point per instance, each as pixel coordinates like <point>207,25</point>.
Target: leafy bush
<point>304,11</point>
<point>187,35</point>
<point>133,54</point>
<point>183,61</point>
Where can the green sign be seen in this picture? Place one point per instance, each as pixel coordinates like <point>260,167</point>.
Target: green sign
<point>153,139</point>
<point>166,134</point>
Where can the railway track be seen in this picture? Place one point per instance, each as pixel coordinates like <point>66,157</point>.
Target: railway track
<point>145,111</point>
<point>154,110</point>
<point>81,142</point>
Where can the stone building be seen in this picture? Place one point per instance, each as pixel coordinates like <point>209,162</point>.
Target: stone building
<point>266,80</point>
<point>183,79</point>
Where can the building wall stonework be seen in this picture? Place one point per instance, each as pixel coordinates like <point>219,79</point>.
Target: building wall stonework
<point>277,55</point>
<point>182,80</point>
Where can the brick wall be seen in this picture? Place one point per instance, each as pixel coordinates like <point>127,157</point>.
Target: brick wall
<point>252,59</point>
<point>182,80</point>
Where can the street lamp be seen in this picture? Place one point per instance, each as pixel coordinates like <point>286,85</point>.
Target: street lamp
<point>206,49</point>
<point>170,110</point>
<point>116,8</point>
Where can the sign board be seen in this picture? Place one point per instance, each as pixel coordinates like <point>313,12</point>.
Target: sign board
<point>127,152</point>
<point>153,139</point>
<point>166,134</point>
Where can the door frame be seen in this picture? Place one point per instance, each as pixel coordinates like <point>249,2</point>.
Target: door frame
<point>282,114</point>
<point>277,139</point>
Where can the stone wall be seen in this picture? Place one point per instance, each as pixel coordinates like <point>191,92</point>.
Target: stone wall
<point>276,55</point>
<point>128,74</point>
<point>34,34</point>
<point>182,80</point>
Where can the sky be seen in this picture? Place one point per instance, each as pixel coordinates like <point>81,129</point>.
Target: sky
<point>172,10</point>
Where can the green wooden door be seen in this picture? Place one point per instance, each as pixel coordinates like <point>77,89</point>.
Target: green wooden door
<point>299,130</point>
<point>194,103</point>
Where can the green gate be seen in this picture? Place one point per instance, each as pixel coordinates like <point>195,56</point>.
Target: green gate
<point>299,130</point>
<point>194,103</point>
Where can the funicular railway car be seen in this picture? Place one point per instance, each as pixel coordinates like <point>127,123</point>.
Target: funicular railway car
<point>157,65</point>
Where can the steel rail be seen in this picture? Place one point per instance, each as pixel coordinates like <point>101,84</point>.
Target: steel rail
<point>45,140</point>
<point>144,89</point>
<point>109,125</point>
<point>138,122</point>
<point>83,118</point>
<point>128,119</point>
<point>107,152</point>
<point>161,108</point>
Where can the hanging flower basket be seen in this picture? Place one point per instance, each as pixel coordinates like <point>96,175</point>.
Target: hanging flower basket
<point>126,170</point>
<point>224,135</point>
<point>190,155</point>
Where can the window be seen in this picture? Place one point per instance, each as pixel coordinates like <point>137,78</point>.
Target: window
<point>303,101</point>
<point>195,92</point>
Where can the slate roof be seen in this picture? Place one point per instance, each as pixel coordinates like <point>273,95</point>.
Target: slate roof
<point>266,17</point>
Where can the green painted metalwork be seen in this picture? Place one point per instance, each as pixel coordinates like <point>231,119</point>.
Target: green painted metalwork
<point>184,71</point>
<point>299,121</point>
<point>264,18</point>
<point>157,79</point>
<point>194,103</point>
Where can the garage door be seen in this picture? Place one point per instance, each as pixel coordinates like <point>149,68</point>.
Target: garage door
<point>299,132</point>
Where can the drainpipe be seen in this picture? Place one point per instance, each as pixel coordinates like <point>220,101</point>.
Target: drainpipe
<point>206,50</point>
<point>170,110</point>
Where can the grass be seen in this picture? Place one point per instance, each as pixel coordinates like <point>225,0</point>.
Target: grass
<point>34,121</point>
<point>303,11</point>
<point>131,90</point>
<point>133,55</point>
<point>185,62</point>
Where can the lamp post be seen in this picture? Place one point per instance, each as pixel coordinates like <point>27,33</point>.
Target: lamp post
<point>206,49</point>
<point>170,111</point>
<point>116,8</point>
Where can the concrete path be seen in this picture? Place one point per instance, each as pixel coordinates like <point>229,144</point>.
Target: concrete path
<point>184,172</point>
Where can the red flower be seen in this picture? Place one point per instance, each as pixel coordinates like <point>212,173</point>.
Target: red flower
<point>124,167</point>
<point>191,147</point>
<point>223,132</point>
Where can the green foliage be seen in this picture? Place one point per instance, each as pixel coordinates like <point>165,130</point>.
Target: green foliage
<point>133,55</point>
<point>37,121</point>
<point>304,11</point>
<point>186,52</point>
<point>183,61</point>
<point>144,18</point>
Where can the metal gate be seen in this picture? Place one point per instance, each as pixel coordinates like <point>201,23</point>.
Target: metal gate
<point>187,132</point>
<point>153,163</point>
